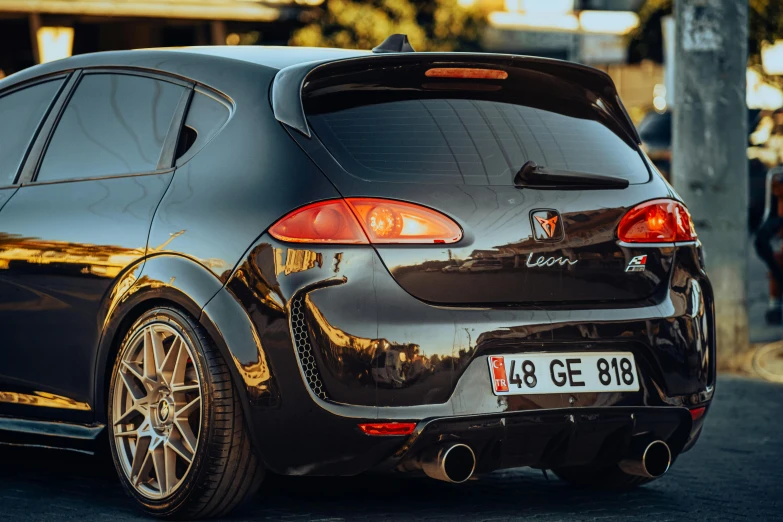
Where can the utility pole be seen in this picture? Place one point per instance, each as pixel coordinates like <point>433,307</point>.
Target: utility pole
<point>710,165</point>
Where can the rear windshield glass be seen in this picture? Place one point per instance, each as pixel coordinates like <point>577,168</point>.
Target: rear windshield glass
<point>469,141</point>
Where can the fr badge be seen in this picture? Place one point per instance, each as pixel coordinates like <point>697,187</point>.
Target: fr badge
<point>637,264</point>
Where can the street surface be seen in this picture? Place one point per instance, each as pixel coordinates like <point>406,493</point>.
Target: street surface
<point>734,473</point>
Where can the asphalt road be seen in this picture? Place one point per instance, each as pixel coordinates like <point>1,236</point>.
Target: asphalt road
<point>734,473</point>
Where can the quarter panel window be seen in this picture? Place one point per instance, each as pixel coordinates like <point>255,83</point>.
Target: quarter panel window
<point>21,113</point>
<point>114,124</point>
<point>206,117</point>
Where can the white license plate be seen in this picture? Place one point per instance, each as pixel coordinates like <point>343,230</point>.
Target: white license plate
<point>563,373</point>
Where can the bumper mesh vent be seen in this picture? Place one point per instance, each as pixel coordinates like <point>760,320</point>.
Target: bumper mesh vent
<point>304,349</point>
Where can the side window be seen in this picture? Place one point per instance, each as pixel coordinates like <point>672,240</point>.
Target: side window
<point>114,124</point>
<point>206,116</point>
<point>21,113</point>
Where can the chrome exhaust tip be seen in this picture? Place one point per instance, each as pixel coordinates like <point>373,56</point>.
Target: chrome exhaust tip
<point>449,462</point>
<point>648,460</point>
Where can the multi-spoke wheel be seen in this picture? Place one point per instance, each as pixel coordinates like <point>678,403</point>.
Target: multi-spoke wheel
<point>178,436</point>
<point>157,410</point>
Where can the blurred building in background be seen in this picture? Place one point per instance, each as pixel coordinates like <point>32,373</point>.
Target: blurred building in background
<point>32,31</point>
<point>588,31</point>
<point>595,32</point>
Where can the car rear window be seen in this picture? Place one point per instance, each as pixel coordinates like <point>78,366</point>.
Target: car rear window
<point>469,141</point>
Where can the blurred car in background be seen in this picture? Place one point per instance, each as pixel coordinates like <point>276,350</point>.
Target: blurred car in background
<point>481,265</point>
<point>655,131</point>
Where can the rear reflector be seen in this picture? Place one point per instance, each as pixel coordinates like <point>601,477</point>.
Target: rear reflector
<point>698,413</point>
<point>657,221</point>
<point>388,428</point>
<point>466,73</point>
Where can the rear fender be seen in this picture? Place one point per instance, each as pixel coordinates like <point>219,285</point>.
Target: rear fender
<point>167,280</point>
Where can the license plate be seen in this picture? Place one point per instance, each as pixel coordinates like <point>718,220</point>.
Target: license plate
<point>563,373</point>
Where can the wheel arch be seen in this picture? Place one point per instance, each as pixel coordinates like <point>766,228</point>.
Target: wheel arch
<point>164,280</point>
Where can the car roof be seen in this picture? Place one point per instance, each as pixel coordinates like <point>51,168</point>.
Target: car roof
<point>294,64</point>
<point>275,58</point>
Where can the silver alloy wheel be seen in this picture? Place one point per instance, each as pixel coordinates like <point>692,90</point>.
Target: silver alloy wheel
<point>157,410</point>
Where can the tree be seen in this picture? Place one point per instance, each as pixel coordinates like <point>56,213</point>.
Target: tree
<point>765,25</point>
<point>431,25</point>
<point>647,40</point>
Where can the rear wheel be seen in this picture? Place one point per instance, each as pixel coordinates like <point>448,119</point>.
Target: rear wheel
<point>177,432</point>
<point>605,478</point>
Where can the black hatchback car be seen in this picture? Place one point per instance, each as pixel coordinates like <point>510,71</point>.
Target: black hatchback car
<point>327,262</point>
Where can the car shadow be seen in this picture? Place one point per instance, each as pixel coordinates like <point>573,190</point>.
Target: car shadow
<point>33,478</point>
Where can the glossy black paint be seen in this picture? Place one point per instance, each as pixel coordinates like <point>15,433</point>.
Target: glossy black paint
<point>360,321</point>
<point>393,333</point>
<point>288,90</point>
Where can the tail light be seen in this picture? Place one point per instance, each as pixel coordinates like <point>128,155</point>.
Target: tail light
<point>657,221</point>
<point>363,220</point>
<point>323,222</point>
<point>387,221</point>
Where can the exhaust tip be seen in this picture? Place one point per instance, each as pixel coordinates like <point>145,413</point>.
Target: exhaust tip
<point>651,460</point>
<point>657,458</point>
<point>450,463</point>
<point>459,461</point>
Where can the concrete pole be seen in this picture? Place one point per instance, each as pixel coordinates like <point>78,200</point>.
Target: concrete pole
<point>218,32</point>
<point>710,166</point>
<point>34,22</point>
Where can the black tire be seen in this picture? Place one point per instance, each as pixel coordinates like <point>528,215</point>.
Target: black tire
<point>608,478</point>
<point>225,470</point>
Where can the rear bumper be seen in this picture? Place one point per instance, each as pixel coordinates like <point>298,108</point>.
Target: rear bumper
<point>548,439</point>
<point>337,342</point>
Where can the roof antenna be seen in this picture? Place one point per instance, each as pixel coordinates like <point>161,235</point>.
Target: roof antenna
<point>396,43</point>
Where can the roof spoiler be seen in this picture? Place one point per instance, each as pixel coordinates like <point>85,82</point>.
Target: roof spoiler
<point>289,83</point>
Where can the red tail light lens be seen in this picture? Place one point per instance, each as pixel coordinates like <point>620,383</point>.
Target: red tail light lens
<point>657,221</point>
<point>388,428</point>
<point>323,222</point>
<point>387,221</point>
<point>354,220</point>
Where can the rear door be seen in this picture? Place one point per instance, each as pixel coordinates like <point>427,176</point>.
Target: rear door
<point>23,110</point>
<point>76,227</point>
<point>454,141</point>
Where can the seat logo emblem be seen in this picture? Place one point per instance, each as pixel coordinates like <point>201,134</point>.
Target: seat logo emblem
<point>546,225</point>
<point>164,411</point>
